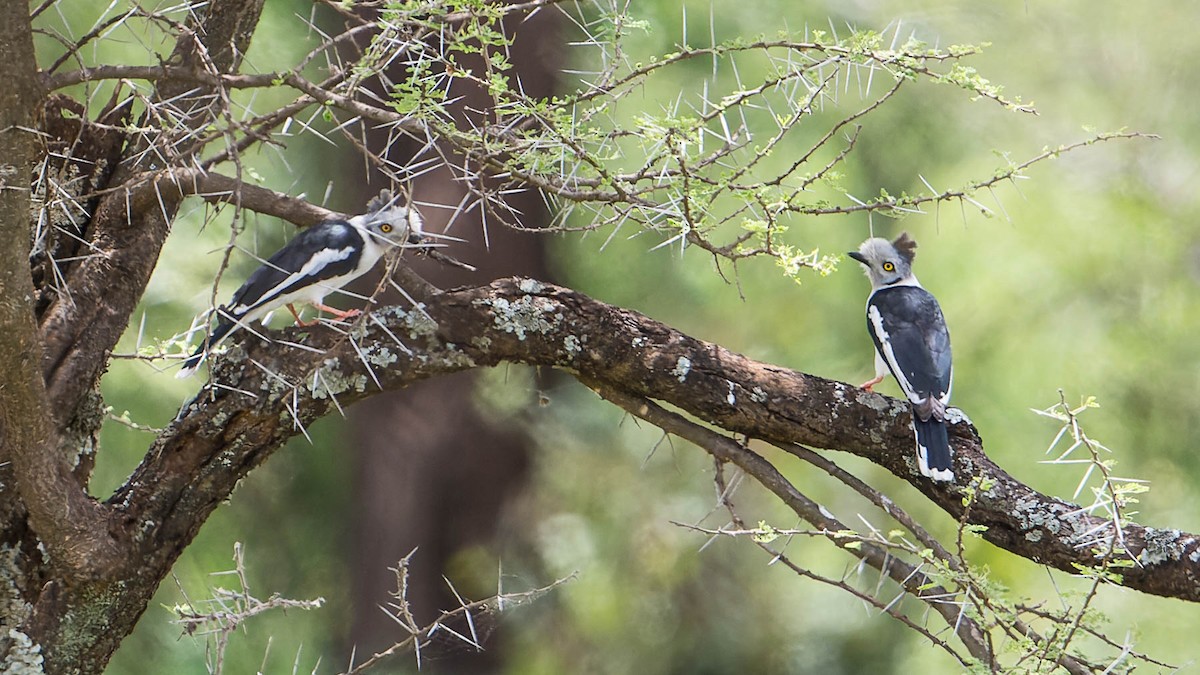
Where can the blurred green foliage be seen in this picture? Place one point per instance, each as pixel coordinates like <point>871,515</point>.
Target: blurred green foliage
<point>1084,277</point>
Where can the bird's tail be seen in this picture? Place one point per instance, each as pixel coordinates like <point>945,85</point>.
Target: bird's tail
<point>192,364</point>
<point>933,449</point>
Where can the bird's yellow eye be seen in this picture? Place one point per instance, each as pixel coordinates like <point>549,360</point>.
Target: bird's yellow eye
<point>387,227</point>
<point>889,267</point>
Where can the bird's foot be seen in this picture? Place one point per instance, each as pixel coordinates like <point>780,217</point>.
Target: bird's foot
<point>340,315</point>
<point>870,384</point>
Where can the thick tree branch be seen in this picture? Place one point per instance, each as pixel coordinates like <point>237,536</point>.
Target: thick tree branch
<point>78,329</point>
<point>131,222</point>
<point>63,516</point>
<point>215,187</point>
<point>264,393</point>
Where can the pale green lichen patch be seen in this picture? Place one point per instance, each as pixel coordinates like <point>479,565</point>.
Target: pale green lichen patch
<point>276,386</point>
<point>992,492</point>
<point>956,416</point>
<point>529,315</point>
<point>15,609</point>
<point>420,325</point>
<point>839,395</point>
<point>1079,530</point>
<point>225,458</point>
<point>80,435</point>
<point>90,617</point>
<point>758,395</point>
<point>21,656</point>
<point>530,286</point>
<point>683,366</point>
<point>417,323</point>
<point>329,380</point>
<point>456,358</point>
<point>873,401</point>
<point>1032,517</point>
<point>379,355</point>
<point>1161,546</point>
<point>230,359</point>
<point>391,311</point>
<point>86,447</point>
<point>572,345</point>
<point>875,435</point>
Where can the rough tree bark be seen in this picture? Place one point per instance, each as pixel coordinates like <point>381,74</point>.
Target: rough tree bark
<point>71,580</point>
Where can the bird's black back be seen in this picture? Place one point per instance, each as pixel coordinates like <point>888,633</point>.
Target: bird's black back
<point>918,334</point>
<point>334,235</point>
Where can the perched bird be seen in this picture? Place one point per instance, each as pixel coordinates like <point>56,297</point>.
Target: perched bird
<point>318,261</point>
<point>912,341</point>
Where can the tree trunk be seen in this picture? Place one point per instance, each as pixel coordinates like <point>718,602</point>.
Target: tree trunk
<point>75,580</point>
<point>407,495</point>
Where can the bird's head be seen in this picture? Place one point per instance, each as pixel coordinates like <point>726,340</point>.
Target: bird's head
<point>390,219</point>
<point>887,262</point>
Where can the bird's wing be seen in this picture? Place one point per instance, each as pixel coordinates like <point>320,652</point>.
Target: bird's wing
<point>320,253</point>
<point>910,333</point>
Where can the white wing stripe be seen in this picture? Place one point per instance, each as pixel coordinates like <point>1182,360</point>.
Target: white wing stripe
<point>318,261</point>
<point>889,354</point>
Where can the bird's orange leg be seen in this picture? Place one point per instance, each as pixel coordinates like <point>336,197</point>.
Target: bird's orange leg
<point>871,383</point>
<point>337,313</point>
<point>299,321</point>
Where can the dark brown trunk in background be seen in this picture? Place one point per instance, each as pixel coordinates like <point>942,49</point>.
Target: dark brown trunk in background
<point>432,473</point>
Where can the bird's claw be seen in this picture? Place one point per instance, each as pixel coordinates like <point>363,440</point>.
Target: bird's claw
<point>339,315</point>
<point>869,385</point>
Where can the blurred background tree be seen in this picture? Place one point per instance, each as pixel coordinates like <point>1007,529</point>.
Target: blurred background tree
<point>1081,278</point>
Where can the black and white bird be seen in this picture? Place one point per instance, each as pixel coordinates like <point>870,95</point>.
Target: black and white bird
<point>318,261</point>
<point>913,343</point>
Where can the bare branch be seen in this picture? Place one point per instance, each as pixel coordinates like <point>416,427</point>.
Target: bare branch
<point>440,634</point>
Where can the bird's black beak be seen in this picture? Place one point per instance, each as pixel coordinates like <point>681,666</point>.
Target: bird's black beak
<point>857,256</point>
